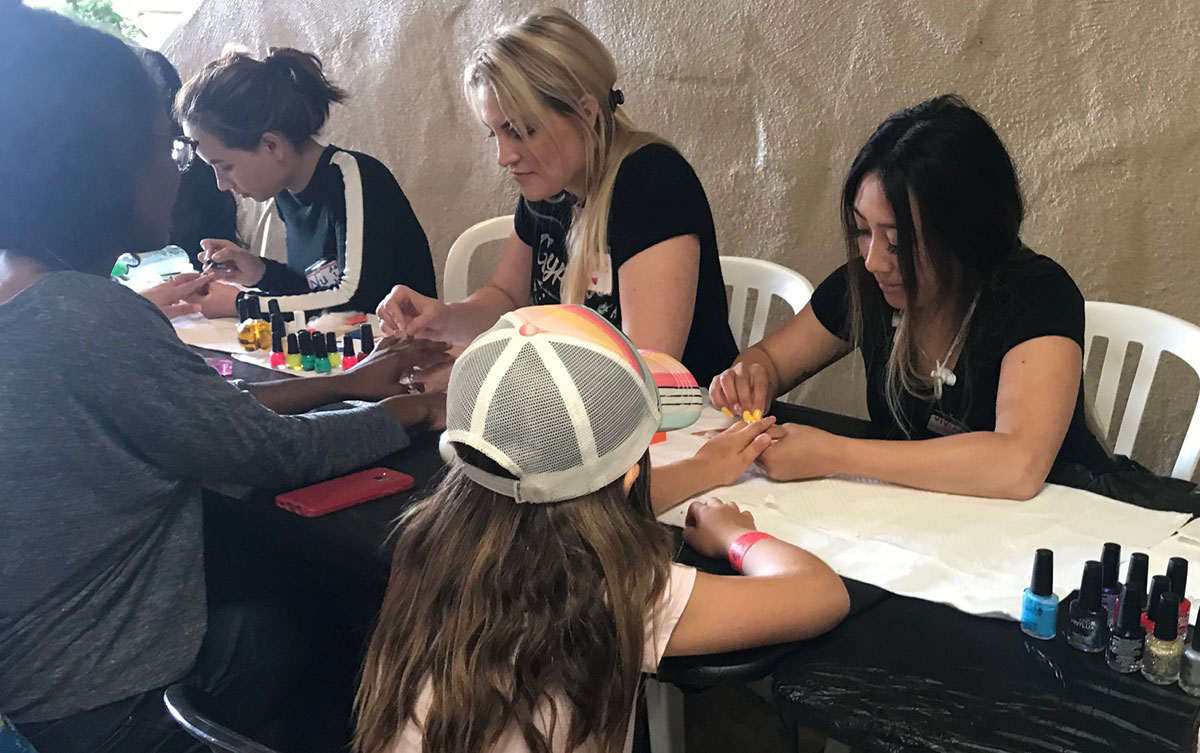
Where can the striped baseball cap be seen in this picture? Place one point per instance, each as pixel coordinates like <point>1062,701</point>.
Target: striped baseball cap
<point>560,399</point>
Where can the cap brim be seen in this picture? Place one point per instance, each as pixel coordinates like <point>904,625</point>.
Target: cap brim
<point>680,399</point>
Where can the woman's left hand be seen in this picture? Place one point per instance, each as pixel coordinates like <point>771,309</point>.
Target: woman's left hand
<point>799,452</point>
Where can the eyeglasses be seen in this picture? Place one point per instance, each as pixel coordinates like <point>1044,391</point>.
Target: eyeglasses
<point>183,151</point>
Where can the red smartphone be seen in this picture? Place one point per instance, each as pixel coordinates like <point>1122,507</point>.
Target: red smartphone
<point>339,493</point>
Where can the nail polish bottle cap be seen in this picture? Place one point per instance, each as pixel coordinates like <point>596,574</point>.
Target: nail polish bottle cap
<point>1177,568</point>
<point>1166,627</point>
<point>277,342</point>
<point>1129,617</point>
<point>330,343</point>
<point>1089,587</point>
<point>347,345</point>
<point>241,305</point>
<point>1110,559</point>
<point>318,345</point>
<point>253,309</point>
<point>1139,566</point>
<point>1159,585</point>
<point>277,324</point>
<point>305,338</point>
<point>1042,582</point>
<point>368,339</point>
<point>273,309</point>
<point>292,345</point>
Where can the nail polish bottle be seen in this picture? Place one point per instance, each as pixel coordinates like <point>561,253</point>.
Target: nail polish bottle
<point>1136,574</point>
<point>368,340</point>
<point>348,357</point>
<point>1159,585</point>
<point>1039,607</point>
<point>320,357</point>
<point>293,352</point>
<point>278,358</point>
<point>335,358</point>
<point>1088,627</point>
<point>1128,636</point>
<point>1110,587</point>
<point>1189,667</point>
<point>1164,649</point>
<point>1177,571</point>
<point>306,350</point>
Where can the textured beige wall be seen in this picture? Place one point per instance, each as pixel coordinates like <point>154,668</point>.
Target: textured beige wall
<point>770,99</point>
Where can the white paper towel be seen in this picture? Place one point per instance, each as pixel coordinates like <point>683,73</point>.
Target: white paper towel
<point>971,553</point>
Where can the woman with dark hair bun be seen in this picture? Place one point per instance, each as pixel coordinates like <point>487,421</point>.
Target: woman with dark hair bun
<point>351,233</point>
<point>973,343</point>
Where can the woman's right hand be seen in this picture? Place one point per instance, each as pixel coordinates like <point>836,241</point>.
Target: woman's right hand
<point>230,262</point>
<point>407,312</point>
<point>712,526</point>
<point>742,388</point>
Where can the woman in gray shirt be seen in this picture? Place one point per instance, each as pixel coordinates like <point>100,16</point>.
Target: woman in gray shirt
<point>110,424</point>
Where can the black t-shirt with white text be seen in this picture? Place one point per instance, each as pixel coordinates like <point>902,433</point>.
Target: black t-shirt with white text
<point>656,196</point>
<point>1029,296</point>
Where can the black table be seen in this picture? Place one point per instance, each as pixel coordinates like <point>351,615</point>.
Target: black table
<point>899,675</point>
<point>357,541</point>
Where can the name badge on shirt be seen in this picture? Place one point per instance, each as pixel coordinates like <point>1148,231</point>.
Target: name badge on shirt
<point>323,274</point>
<point>946,426</point>
<point>600,281</point>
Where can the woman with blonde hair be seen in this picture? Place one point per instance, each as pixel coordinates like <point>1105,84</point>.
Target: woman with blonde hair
<point>610,216</point>
<point>534,587</point>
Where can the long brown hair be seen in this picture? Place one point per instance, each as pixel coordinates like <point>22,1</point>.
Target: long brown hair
<point>545,63</point>
<point>514,611</point>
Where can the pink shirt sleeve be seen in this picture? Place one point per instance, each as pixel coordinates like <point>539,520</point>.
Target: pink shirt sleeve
<point>666,614</point>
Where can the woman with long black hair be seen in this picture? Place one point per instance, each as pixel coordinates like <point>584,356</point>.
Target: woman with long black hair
<point>973,343</point>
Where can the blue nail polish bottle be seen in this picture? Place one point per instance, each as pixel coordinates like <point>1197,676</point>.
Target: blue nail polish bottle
<point>1039,607</point>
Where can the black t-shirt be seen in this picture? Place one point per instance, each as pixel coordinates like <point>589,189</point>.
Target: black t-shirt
<point>1028,297</point>
<point>351,211</point>
<point>656,196</point>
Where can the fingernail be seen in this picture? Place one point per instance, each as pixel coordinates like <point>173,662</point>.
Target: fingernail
<point>758,415</point>
<point>728,413</point>
<point>746,416</point>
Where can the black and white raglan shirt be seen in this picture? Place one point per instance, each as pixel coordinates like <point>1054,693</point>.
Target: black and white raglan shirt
<point>352,214</point>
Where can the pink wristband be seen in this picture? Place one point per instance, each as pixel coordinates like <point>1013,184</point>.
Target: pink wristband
<point>742,544</point>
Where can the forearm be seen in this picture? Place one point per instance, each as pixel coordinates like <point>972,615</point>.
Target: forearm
<point>478,313</point>
<point>980,464</point>
<point>673,483</point>
<point>294,395</point>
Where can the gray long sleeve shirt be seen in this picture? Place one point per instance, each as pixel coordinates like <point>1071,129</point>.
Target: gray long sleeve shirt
<point>108,426</point>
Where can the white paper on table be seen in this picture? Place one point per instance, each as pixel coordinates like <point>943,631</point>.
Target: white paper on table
<point>972,553</point>
<point>221,335</point>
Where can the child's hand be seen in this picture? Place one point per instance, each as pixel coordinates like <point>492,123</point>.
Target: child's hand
<point>712,525</point>
<point>724,458</point>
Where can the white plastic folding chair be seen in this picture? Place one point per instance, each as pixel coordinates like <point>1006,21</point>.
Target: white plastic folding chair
<point>743,274</point>
<point>458,260</point>
<point>1157,332</point>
